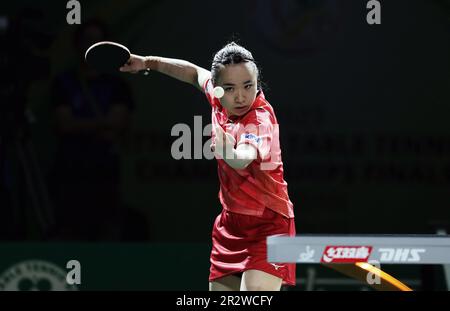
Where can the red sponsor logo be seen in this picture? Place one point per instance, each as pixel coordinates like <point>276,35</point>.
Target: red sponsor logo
<point>346,254</point>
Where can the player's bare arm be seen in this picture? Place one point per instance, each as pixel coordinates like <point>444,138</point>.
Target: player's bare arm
<point>176,68</point>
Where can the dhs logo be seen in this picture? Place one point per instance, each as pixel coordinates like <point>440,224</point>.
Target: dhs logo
<point>401,254</point>
<point>35,275</point>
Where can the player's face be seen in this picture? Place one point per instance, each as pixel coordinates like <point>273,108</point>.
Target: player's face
<point>239,81</point>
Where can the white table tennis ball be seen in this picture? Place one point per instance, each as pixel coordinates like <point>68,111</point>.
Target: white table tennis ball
<point>218,92</point>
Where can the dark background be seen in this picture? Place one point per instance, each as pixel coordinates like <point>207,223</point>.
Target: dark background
<point>363,112</point>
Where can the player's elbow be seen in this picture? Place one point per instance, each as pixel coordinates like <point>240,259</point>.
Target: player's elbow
<point>240,164</point>
<point>245,163</point>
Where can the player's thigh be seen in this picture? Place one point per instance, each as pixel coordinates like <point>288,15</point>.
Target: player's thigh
<point>257,280</point>
<point>227,283</point>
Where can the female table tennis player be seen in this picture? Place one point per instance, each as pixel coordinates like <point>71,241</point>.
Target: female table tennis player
<point>253,192</point>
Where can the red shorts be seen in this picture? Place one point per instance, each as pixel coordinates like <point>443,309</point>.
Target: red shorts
<point>239,244</point>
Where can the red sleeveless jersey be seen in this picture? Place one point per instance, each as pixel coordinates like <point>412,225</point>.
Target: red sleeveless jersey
<point>261,184</point>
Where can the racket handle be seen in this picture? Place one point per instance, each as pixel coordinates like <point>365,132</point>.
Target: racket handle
<point>144,72</point>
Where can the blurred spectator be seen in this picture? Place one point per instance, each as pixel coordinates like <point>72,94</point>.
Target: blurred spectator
<point>92,114</point>
<point>25,211</point>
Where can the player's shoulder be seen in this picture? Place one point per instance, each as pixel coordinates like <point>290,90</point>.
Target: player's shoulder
<point>207,85</point>
<point>207,88</point>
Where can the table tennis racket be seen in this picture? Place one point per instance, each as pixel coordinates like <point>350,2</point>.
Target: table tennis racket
<point>108,57</point>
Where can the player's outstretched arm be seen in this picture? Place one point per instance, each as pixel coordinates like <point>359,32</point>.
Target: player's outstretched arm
<point>176,68</point>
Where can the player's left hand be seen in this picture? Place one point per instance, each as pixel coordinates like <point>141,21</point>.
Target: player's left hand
<point>223,143</point>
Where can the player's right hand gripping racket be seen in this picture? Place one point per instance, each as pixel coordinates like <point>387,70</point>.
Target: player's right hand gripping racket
<point>108,57</point>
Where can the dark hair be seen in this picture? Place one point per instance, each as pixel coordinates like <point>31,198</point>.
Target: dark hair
<point>232,53</point>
